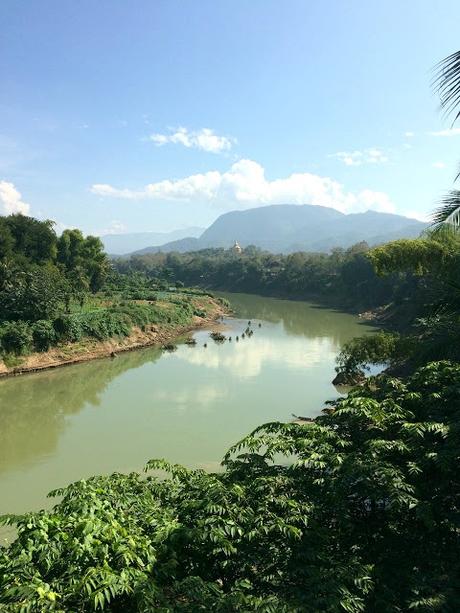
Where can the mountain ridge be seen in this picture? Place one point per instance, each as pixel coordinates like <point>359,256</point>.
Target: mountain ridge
<point>285,228</point>
<point>119,244</point>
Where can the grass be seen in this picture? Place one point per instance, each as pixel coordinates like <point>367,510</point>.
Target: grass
<point>12,361</point>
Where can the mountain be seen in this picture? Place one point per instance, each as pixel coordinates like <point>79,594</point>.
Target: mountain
<point>118,244</point>
<point>285,228</point>
<point>182,245</point>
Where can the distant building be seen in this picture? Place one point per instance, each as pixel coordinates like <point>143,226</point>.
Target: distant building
<point>236,248</point>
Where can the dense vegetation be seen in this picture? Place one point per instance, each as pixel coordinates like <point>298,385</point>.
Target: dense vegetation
<point>58,290</point>
<point>356,511</point>
<point>344,277</point>
<point>433,330</point>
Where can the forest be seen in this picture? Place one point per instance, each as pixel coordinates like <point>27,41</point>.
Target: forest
<point>63,292</point>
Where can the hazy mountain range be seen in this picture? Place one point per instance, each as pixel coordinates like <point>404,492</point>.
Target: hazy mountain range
<point>119,244</point>
<point>286,228</point>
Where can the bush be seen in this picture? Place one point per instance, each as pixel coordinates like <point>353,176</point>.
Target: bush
<point>68,328</point>
<point>16,337</point>
<point>105,324</point>
<point>382,348</point>
<point>44,335</point>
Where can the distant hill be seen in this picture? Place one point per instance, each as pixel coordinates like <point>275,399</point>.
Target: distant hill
<point>119,244</point>
<point>182,245</point>
<point>285,228</point>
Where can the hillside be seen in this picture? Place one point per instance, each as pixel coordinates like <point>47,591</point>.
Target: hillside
<point>118,244</point>
<point>286,228</point>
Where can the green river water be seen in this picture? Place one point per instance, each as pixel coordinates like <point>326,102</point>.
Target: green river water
<point>188,406</point>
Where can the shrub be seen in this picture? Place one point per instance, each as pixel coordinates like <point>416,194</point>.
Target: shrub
<point>105,324</point>
<point>16,337</point>
<point>381,348</point>
<point>44,335</point>
<point>68,328</point>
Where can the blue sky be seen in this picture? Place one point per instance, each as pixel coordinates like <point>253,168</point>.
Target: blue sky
<point>156,115</point>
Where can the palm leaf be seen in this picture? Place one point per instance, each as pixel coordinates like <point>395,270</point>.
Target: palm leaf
<point>447,83</point>
<point>448,214</point>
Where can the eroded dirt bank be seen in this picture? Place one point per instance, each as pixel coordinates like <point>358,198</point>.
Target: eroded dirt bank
<point>91,349</point>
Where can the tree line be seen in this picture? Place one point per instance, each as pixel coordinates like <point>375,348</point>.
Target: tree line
<point>344,277</point>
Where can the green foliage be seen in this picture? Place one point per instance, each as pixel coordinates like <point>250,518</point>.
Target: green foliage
<point>119,319</point>
<point>133,285</point>
<point>104,324</point>
<point>40,274</point>
<point>432,330</point>
<point>345,276</point>
<point>38,292</point>
<point>85,258</point>
<point>357,511</point>
<point>27,239</point>
<point>68,328</point>
<point>43,334</point>
<point>16,337</point>
<point>385,348</point>
<point>431,255</point>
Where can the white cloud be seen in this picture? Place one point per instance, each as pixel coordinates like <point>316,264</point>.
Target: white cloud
<point>448,132</point>
<point>202,397</point>
<point>358,158</point>
<point>425,217</point>
<point>377,201</point>
<point>247,359</point>
<point>205,139</point>
<point>115,227</point>
<point>245,185</point>
<point>409,134</point>
<point>11,199</point>
<point>438,165</point>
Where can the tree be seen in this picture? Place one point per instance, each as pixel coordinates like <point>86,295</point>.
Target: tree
<point>39,292</point>
<point>34,241</point>
<point>84,259</point>
<point>447,83</point>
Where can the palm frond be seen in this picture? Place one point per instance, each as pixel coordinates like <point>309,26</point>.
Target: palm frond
<point>447,83</point>
<point>448,213</point>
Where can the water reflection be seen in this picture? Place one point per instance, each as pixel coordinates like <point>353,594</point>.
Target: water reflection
<point>297,318</point>
<point>188,406</point>
<point>267,348</point>
<point>34,407</point>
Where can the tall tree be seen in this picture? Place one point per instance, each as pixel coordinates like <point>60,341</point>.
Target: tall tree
<point>447,83</point>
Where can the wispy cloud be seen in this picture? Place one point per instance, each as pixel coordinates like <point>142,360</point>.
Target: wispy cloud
<point>115,227</point>
<point>245,185</point>
<point>438,165</point>
<point>11,199</point>
<point>409,134</point>
<point>448,132</point>
<point>204,139</point>
<point>358,158</point>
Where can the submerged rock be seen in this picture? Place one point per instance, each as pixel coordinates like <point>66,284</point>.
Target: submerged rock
<point>218,337</point>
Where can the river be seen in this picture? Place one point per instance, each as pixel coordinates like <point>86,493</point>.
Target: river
<point>188,406</point>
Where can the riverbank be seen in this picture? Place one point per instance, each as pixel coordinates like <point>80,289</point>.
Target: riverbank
<point>91,349</point>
